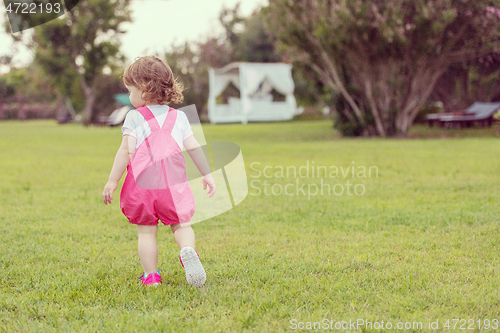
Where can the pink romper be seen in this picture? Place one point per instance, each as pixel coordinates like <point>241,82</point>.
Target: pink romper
<point>156,186</point>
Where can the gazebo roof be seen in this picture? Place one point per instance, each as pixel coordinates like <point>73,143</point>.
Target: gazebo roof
<point>248,76</point>
<point>234,67</point>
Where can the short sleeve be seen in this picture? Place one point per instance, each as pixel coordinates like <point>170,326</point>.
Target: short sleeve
<point>185,125</point>
<point>129,125</point>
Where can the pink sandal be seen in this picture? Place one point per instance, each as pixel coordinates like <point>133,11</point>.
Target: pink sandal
<point>152,279</point>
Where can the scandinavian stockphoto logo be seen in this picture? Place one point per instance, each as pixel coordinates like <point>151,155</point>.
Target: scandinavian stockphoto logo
<point>226,166</point>
<point>311,179</point>
<point>26,14</point>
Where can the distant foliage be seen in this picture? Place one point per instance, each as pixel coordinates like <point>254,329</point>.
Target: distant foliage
<point>26,93</point>
<point>79,48</point>
<point>245,39</point>
<point>467,82</point>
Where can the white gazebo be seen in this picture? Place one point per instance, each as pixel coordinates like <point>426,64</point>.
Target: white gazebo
<point>255,82</point>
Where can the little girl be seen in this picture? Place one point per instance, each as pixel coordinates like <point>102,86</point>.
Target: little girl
<point>159,190</point>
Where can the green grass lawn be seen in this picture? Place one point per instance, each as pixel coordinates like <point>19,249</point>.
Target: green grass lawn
<point>419,245</point>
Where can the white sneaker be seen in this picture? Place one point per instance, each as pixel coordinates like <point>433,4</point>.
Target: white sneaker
<point>195,274</point>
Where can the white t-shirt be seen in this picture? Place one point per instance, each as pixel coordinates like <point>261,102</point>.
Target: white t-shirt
<point>136,126</point>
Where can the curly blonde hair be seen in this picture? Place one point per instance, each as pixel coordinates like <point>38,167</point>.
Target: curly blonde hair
<point>155,79</point>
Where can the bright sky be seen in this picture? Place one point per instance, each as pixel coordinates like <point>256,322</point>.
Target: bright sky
<point>157,24</point>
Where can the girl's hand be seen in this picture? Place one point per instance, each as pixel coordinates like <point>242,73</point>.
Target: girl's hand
<point>208,180</point>
<point>107,194</point>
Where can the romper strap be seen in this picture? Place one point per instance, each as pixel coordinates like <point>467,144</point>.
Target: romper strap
<point>150,118</point>
<point>170,121</point>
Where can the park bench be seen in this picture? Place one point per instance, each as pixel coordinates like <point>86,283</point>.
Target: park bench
<point>478,113</point>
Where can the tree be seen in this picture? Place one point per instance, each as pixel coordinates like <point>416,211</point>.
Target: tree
<point>382,58</point>
<point>81,45</point>
<point>247,37</point>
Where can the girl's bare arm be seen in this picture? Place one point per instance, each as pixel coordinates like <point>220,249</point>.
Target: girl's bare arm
<point>196,153</point>
<point>120,164</point>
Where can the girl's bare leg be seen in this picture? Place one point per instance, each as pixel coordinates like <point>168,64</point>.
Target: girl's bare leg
<point>195,273</point>
<point>148,249</point>
<point>184,236</point>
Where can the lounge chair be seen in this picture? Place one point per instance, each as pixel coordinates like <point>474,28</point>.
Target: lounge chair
<point>116,117</point>
<point>481,113</point>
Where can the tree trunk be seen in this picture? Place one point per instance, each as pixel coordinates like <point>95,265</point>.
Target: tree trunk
<point>422,85</point>
<point>90,97</point>
<point>374,109</point>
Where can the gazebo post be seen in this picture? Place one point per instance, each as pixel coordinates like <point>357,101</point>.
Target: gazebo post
<point>211,97</point>
<point>243,93</point>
